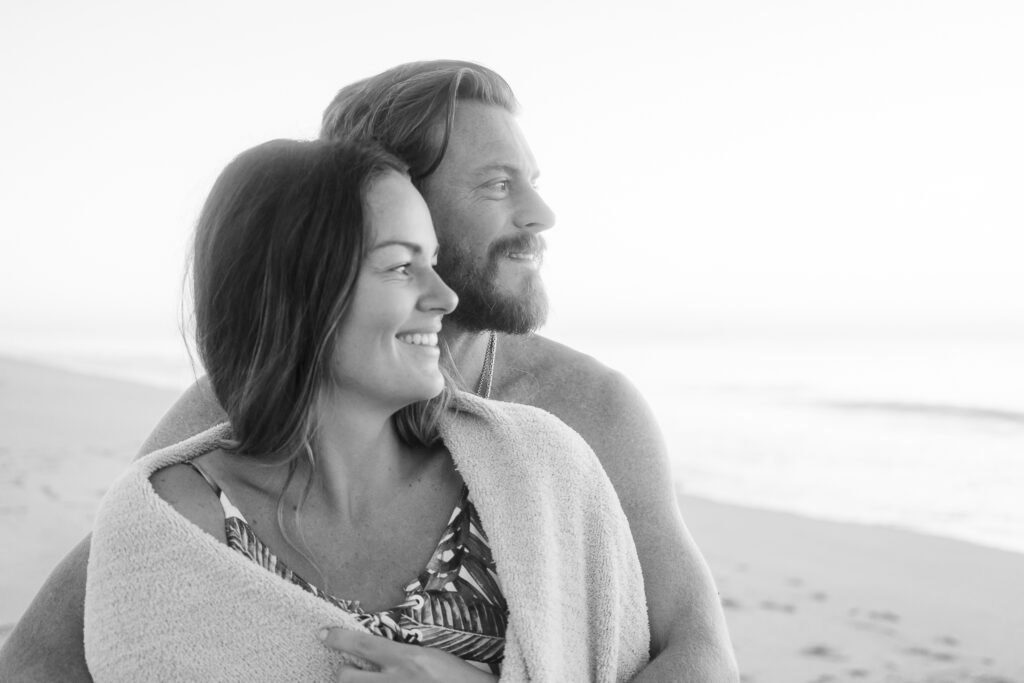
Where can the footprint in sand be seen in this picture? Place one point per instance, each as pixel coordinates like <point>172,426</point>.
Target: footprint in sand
<point>883,615</point>
<point>822,651</point>
<point>877,621</point>
<point>819,596</point>
<point>948,641</point>
<point>730,603</point>
<point>773,606</point>
<point>935,655</point>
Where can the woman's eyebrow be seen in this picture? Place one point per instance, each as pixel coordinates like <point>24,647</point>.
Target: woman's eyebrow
<point>411,246</point>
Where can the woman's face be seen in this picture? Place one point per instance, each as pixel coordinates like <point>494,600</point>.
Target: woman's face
<point>387,345</point>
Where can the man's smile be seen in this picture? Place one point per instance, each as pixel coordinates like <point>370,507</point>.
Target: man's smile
<point>529,259</point>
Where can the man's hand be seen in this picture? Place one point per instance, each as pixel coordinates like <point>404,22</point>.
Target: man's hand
<point>399,662</point>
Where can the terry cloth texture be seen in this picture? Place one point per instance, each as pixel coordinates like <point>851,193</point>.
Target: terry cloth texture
<point>167,602</point>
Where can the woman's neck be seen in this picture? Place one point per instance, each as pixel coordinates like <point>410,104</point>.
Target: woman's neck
<point>359,456</point>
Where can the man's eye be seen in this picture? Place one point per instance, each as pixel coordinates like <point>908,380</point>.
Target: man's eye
<point>500,185</point>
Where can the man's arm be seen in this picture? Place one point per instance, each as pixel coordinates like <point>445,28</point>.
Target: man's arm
<point>689,639</point>
<point>47,643</point>
<point>195,411</point>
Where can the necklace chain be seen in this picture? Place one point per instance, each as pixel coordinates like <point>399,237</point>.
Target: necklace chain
<point>483,387</point>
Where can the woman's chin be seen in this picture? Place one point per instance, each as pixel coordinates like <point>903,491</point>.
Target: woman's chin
<point>435,390</point>
<point>423,392</point>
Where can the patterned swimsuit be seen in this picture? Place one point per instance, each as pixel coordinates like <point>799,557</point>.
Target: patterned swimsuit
<point>455,604</point>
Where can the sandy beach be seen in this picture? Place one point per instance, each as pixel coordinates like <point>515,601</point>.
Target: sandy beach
<point>806,600</point>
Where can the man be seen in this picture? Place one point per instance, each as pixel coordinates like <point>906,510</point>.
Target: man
<point>454,123</point>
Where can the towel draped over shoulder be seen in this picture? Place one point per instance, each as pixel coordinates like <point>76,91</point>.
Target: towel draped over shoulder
<point>166,601</point>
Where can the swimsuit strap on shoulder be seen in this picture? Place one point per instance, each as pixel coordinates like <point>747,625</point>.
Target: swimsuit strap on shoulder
<point>229,509</point>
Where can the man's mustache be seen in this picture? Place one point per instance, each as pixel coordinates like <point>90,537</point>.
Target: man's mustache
<point>520,243</point>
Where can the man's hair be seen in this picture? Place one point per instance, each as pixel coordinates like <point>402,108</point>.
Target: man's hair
<point>410,109</point>
<point>278,247</point>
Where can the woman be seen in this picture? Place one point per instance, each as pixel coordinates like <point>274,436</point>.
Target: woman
<point>300,540</point>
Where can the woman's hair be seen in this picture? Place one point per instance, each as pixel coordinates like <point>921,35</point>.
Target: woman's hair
<point>410,109</point>
<point>277,252</point>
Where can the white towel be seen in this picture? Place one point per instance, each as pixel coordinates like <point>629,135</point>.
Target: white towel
<point>166,601</point>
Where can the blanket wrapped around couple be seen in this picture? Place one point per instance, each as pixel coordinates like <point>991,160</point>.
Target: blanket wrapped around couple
<point>166,601</point>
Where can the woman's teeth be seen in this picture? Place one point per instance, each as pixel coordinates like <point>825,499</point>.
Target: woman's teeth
<point>419,339</point>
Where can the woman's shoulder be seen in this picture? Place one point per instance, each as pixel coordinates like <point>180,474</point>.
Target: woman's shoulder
<point>188,492</point>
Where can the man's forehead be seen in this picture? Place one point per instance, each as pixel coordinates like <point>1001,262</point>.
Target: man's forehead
<point>487,138</point>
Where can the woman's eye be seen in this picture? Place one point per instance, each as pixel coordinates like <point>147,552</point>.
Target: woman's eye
<point>402,269</point>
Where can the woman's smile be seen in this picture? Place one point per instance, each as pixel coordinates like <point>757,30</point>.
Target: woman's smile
<point>424,339</point>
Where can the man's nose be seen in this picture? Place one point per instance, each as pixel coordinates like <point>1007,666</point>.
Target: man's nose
<point>534,214</point>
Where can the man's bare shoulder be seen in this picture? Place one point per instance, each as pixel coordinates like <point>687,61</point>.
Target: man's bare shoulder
<point>611,415</point>
<point>589,396</point>
<point>540,368</point>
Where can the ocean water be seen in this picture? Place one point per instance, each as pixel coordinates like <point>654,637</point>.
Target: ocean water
<point>919,432</point>
<point>923,432</point>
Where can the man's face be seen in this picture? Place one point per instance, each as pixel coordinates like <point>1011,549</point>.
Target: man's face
<point>488,216</point>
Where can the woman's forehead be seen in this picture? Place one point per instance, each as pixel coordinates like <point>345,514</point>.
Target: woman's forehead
<point>398,215</point>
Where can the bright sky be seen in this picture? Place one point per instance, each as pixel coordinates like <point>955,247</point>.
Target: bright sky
<point>712,162</point>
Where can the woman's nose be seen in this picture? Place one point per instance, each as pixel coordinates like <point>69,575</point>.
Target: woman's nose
<point>440,296</point>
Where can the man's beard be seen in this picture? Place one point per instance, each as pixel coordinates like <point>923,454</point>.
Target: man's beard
<point>482,304</point>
